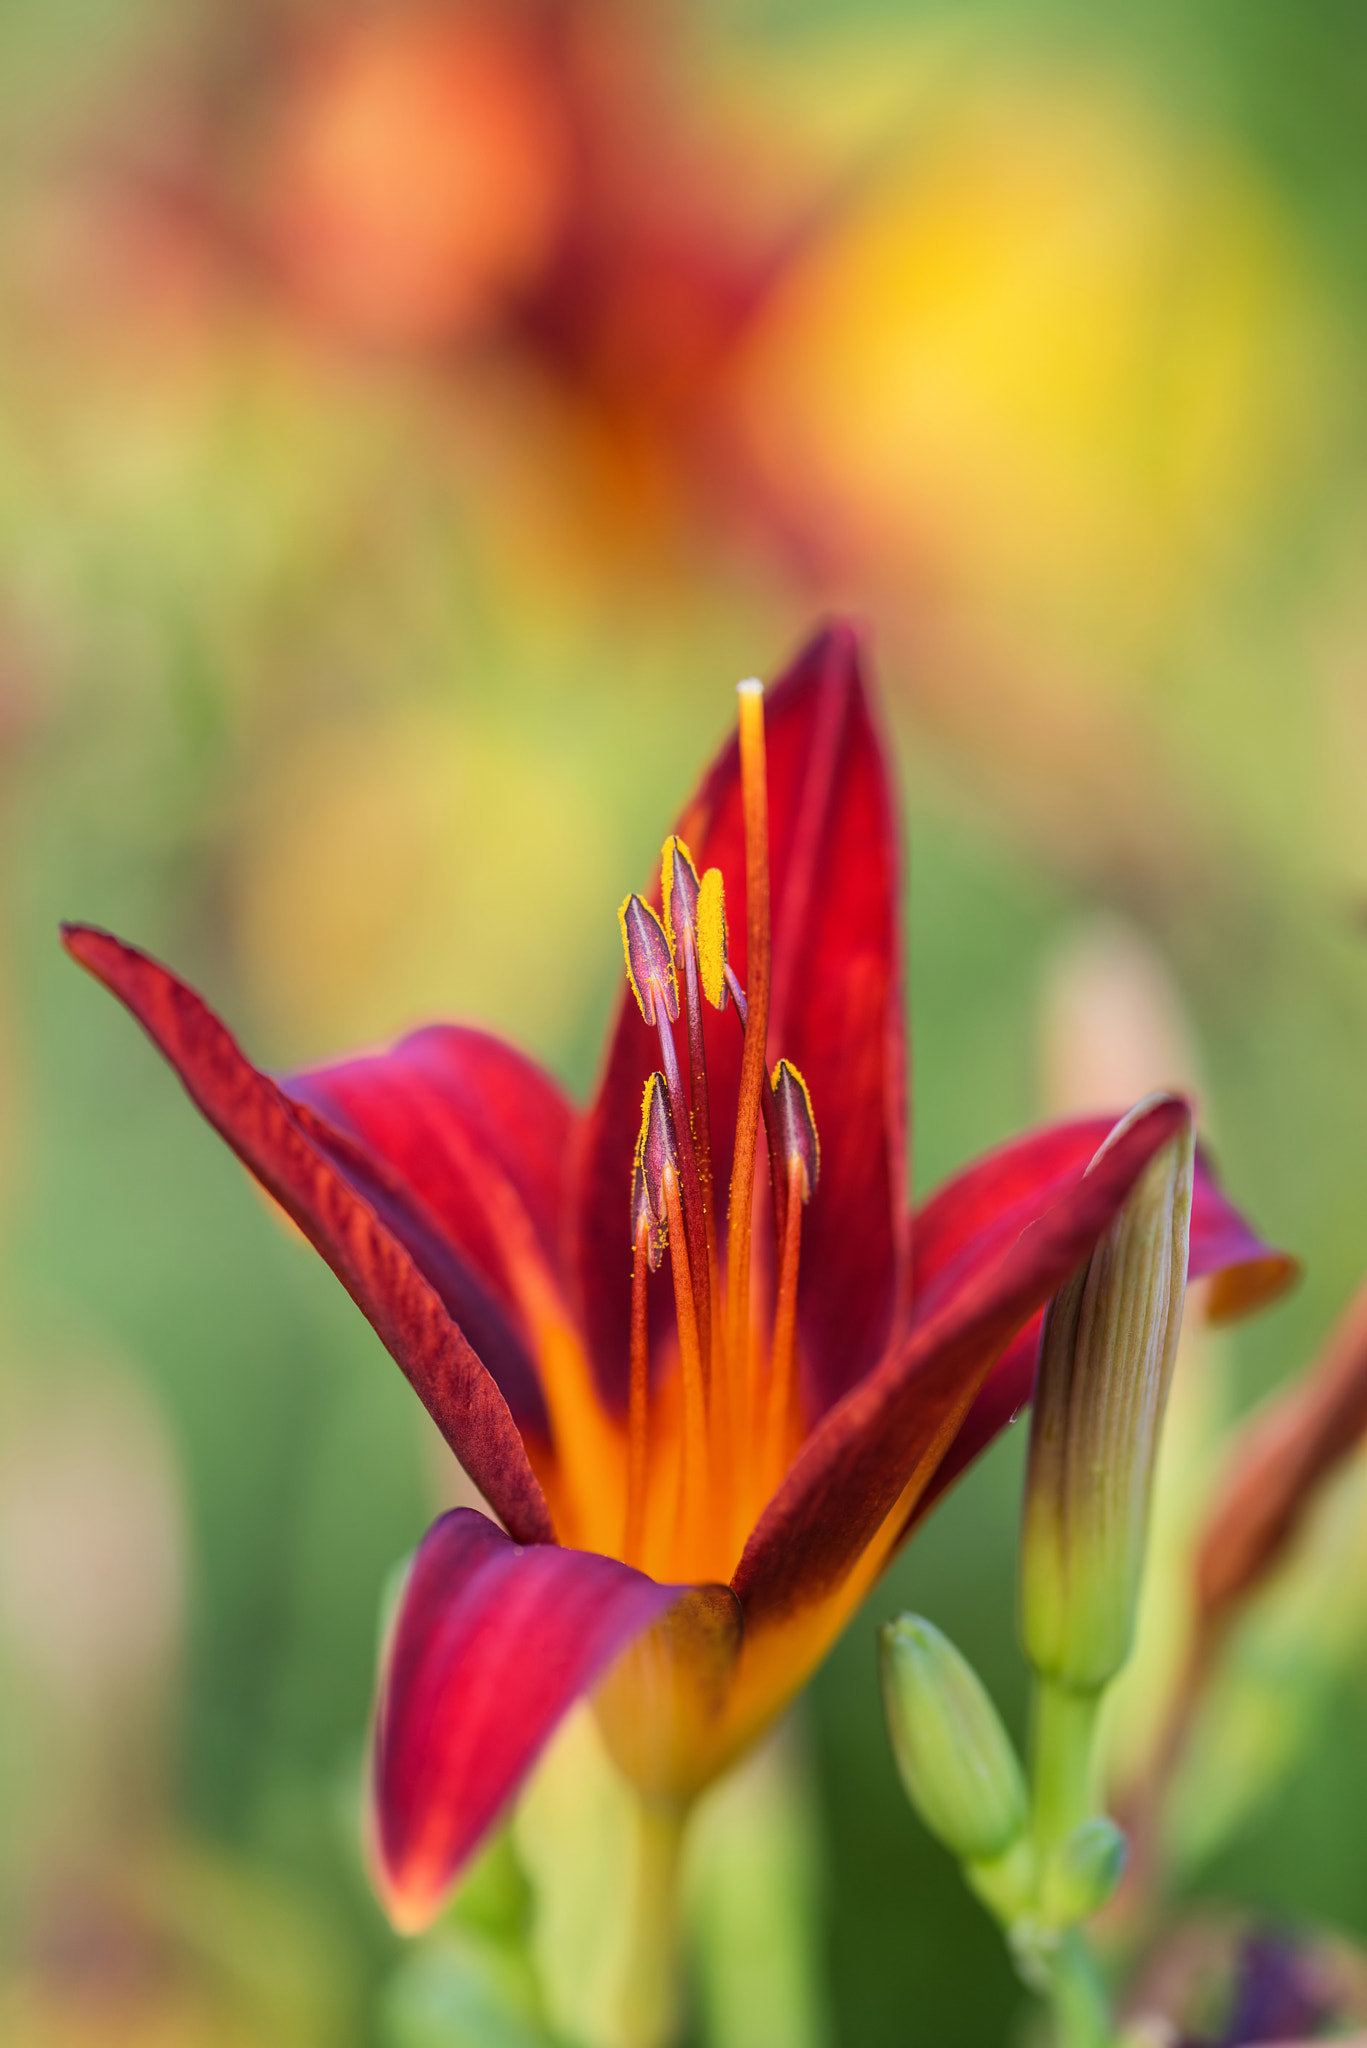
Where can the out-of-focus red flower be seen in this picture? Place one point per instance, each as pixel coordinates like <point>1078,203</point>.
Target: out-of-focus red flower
<point>519,175</point>
<point>417,174</point>
<point>710,1466</point>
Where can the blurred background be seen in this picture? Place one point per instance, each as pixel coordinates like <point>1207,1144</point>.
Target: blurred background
<point>413,419</point>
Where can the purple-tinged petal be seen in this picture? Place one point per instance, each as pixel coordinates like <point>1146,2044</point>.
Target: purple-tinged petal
<point>280,1145</point>
<point>964,1225</point>
<point>491,1645</point>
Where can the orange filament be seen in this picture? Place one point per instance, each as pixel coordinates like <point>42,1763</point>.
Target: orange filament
<point>695,1234</point>
<point>754,1073</point>
<point>639,1397</point>
<point>693,1479</point>
<point>778,1427</point>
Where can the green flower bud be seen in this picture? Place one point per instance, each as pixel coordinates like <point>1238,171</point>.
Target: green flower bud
<point>1106,1359</point>
<point>955,1758</point>
<point>1082,1873</point>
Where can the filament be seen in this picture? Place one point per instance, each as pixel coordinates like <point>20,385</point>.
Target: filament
<point>690,1362</point>
<point>693,1235</point>
<point>772,1135</point>
<point>782,1370</point>
<point>638,1398</point>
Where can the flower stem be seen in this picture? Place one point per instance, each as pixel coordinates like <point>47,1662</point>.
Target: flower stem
<point>1063,1795</point>
<point>1082,2011</point>
<point>651,2008</point>
<point>1063,1739</point>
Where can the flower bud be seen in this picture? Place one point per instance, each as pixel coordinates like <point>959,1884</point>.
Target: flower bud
<point>1106,1359</point>
<point>1081,1874</point>
<point>954,1757</point>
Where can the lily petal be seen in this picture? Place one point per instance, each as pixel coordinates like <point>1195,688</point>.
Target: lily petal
<point>840,1511</point>
<point>281,1145</point>
<point>965,1223</point>
<point>491,1645</point>
<point>451,1129</point>
<point>836,1012</point>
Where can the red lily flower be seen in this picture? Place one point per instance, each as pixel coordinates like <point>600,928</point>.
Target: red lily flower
<point>700,1473</point>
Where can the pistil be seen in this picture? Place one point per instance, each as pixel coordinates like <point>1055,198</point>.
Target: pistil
<point>753,1072</point>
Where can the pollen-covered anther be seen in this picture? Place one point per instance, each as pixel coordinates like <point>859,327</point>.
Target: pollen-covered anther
<point>650,963</point>
<point>656,1150</point>
<point>710,918</point>
<point>797,1125</point>
<point>678,893</point>
<point>643,1217</point>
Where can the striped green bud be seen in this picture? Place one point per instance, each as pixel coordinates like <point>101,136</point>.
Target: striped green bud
<point>1106,1359</point>
<point>955,1759</point>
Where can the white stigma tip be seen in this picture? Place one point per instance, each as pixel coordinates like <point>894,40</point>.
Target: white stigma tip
<point>751,687</point>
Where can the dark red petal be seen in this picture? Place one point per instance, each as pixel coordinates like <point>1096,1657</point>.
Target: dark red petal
<point>491,1645</point>
<point>280,1145</point>
<point>963,1226</point>
<point>447,1128</point>
<point>902,1418</point>
<point>836,1013</point>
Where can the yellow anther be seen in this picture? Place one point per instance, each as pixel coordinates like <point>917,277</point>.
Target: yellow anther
<point>711,921</point>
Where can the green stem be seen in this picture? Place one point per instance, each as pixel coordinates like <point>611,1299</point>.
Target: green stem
<point>650,1995</point>
<point>1063,1796</point>
<point>1064,1735</point>
<point>1082,2010</point>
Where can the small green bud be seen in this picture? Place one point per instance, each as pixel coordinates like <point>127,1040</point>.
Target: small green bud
<point>1106,1359</point>
<point>1081,1874</point>
<point>955,1758</point>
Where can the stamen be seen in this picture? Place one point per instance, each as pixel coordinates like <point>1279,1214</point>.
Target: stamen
<point>802,1161</point>
<point>753,1069</point>
<point>650,963</point>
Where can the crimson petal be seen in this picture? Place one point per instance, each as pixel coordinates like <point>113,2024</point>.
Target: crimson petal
<point>902,1418</point>
<point>449,1128</point>
<point>491,1645</point>
<point>281,1145</point>
<point>836,1013</point>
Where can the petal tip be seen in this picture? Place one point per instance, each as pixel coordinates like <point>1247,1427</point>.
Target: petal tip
<point>1237,1291</point>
